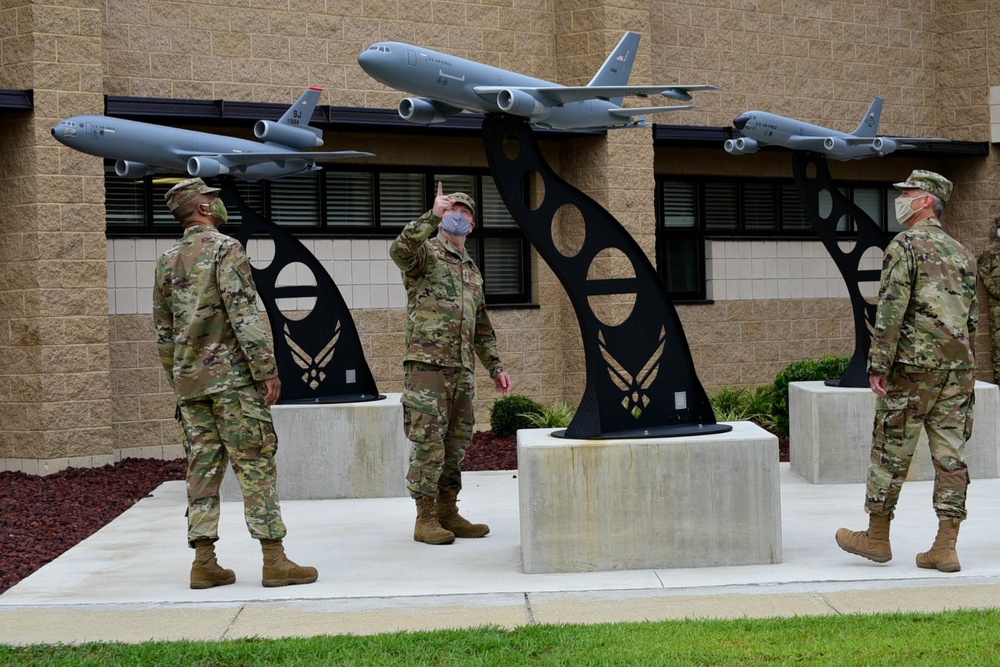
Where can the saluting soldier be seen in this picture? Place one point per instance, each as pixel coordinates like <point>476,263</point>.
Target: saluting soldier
<point>921,367</point>
<point>220,362</point>
<point>446,326</point>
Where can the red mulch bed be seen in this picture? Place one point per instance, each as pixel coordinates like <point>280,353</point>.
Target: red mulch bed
<point>42,517</point>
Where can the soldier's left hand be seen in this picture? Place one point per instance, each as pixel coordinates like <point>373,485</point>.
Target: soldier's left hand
<point>272,391</point>
<point>502,382</point>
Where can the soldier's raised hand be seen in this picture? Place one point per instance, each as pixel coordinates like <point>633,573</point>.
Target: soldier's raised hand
<point>442,204</point>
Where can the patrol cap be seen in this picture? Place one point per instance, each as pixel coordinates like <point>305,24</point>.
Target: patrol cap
<point>929,182</point>
<point>185,191</point>
<point>463,198</point>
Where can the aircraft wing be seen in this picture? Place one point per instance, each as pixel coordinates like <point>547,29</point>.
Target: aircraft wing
<point>235,159</point>
<point>642,111</point>
<point>559,95</point>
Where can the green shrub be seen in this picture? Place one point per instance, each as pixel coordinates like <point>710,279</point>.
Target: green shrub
<point>509,414</point>
<point>558,415</point>
<point>732,404</point>
<point>827,368</point>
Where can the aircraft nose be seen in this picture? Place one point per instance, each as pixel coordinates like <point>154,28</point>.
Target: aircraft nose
<point>52,131</point>
<point>740,122</point>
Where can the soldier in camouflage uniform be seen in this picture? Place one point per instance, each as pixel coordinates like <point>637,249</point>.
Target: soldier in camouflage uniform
<point>220,363</point>
<point>989,273</point>
<point>446,323</point>
<point>921,368</point>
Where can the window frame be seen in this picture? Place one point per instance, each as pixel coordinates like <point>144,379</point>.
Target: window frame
<point>700,231</point>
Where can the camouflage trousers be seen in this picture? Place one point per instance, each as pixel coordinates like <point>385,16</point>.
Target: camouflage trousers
<point>232,426</point>
<point>438,418</point>
<point>939,401</point>
<point>994,313</point>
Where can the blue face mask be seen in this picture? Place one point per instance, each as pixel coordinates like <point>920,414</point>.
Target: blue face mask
<point>457,224</point>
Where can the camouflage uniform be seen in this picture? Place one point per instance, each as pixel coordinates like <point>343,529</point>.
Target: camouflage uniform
<point>927,315</point>
<point>446,323</point>
<point>989,273</point>
<point>217,354</point>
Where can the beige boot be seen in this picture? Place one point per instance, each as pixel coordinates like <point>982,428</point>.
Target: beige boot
<point>450,519</point>
<point>427,528</point>
<point>279,571</point>
<point>206,571</point>
<point>943,555</point>
<point>872,544</point>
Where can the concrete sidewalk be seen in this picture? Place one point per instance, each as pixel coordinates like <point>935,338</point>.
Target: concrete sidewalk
<point>128,582</point>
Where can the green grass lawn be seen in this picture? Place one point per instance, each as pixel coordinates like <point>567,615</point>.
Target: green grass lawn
<point>896,640</point>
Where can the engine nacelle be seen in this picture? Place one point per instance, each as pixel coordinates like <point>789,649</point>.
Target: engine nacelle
<point>883,146</point>
<point>519,103</point>
<point>300,137</point>
<point>831,144</point>
<point>132,169</point>
<point>205,167</point>
<point>417,110</point>
<point>741,146</point>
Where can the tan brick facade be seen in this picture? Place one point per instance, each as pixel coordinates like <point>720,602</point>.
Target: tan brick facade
<point>81,387</point>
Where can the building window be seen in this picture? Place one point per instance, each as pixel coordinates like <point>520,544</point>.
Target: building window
<point>691,211</point>
<point>352,202</point>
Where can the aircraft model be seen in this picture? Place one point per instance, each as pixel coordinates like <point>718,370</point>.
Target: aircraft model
<point>760,128</point>
<point>142,148</point>
<point>449,85</point>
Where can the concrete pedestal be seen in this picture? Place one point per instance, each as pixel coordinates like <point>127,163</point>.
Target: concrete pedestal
<point>337,450</point>
<point>590,505</point>
<point>830,434</point>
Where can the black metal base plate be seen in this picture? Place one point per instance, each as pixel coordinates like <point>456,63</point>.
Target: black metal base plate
<point>343,398</point>
<point>677,431</point>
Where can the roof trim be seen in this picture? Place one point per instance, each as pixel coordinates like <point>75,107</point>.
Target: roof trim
<point>693,136</point>
<point>17,100</point>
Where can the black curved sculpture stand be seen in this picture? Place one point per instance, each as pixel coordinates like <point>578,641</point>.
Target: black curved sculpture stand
<point>870,235</point>
<point>320,358</point>
<point>641,381</point>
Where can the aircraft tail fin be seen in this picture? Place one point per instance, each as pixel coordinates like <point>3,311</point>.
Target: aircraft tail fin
<point>869,124</point>
<point>617,69</point>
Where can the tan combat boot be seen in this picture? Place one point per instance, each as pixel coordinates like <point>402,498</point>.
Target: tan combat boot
<point>872,544</point>
<point>427,528</point>
<point>206,571</point>
<point>942,555</point>
<point>279,571</point>
<point>450,519</point>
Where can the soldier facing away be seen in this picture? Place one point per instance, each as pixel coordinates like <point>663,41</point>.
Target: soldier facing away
<point>446,324</point>
<point>989,273</point>
<point>220,362</point>
<point>921,367</point>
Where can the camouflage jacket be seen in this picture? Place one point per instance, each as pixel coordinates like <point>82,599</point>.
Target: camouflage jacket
<point>446,309</point>
<point>209,332</point>
<point>989,269</point>
<point>927,304</point>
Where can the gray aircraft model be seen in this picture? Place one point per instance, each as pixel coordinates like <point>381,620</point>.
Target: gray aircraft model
<point>448,85</point>
<point>760,128</point>
<point>143,148</point>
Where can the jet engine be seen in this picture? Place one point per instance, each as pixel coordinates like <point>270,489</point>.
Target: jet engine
<point>519,103</point>
<point>741,146</point>
<point>205,167</point>
<point>883,146</point>
<point>300,137</point>
<point>132,169</point>
<point>831,144</point>
<point>417,110</point>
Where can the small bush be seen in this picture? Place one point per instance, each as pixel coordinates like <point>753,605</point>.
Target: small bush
<point>828,368</point>
<point>558,415</point>
<point>510,413</point>
<point>732,404</point>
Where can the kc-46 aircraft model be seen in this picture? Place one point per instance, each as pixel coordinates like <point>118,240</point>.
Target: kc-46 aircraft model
<point>143,148</point>
<point>449,85</point>
<point>760,128</point>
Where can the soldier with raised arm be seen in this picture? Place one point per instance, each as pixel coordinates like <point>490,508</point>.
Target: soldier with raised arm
<point>446,327</point>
